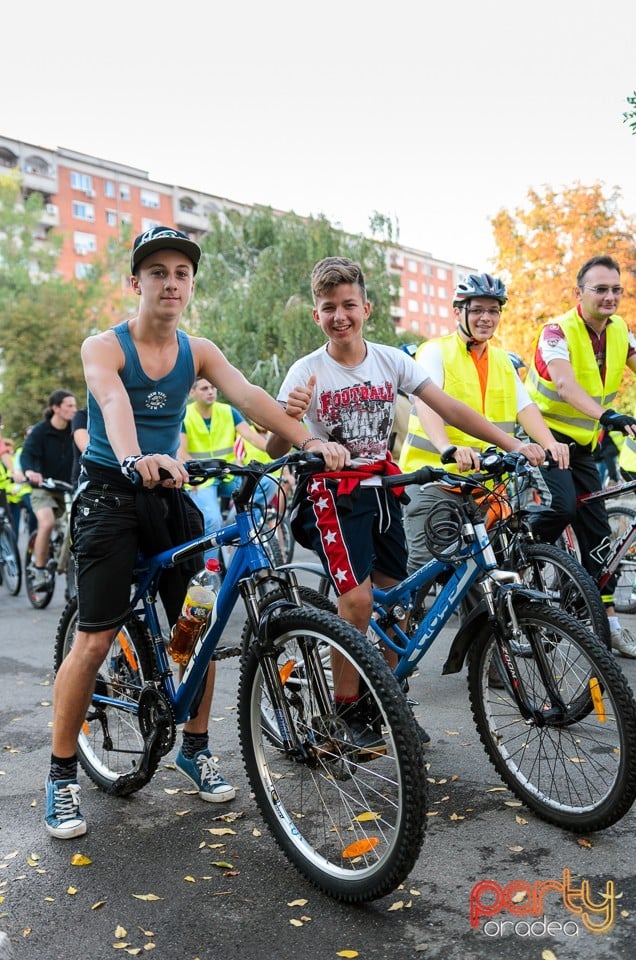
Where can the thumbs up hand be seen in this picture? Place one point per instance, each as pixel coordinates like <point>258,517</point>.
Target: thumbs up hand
<point>299,399</point>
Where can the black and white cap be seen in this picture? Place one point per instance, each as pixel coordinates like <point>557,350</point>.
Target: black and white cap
<point>163,238</point>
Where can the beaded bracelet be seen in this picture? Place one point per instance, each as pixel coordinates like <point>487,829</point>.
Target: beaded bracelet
<point>301,446</point>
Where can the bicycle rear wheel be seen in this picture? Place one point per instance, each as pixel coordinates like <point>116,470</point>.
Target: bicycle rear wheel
<point>568,585</point>
<point>574,767</point>
<point>622,519</point>
<point>353,828</point>
<point>10,566</point>
<point>42,596</point>
<point>111,744</point>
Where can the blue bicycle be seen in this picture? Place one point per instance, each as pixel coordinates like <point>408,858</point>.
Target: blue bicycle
<point>551,706</point>
<point>351,821</point>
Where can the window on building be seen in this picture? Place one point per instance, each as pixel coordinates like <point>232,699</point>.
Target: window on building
<point>415,326</point>
<point>83,270</point>
<point>442,311</point>
<point>109,188</point>
<point>412,286</point>
<point>431,309</point>
<point>441,293</point>
<point>150,198</point>
<point>111,218</point>
<point>411,266</point>
<point>433,329</point>
<point>186,204</point>
<point>125,218</point>
<point>124,192</point>
<point>84,242</point>
<point>413,306</point>
<point>83,211</point>
<point>441,273</point>
<point>81,181</point>
<point>147,224</point>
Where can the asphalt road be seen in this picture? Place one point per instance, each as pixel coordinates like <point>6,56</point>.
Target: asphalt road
<point>151,887</point>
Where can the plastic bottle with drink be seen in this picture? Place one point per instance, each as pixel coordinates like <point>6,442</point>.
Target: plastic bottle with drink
<point>199,601</point>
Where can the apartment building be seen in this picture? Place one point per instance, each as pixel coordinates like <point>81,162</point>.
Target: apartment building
<point>86,199</point>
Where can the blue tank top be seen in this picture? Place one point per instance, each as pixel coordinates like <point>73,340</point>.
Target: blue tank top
<point>158,405</point>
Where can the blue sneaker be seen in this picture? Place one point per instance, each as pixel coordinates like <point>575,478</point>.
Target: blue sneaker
<point>63,816</point>
<point>204,774</point>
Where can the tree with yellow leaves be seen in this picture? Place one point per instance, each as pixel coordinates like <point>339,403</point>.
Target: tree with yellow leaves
<point>540,248</point>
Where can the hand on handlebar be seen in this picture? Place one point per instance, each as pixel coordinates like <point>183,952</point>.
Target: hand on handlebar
<point>336,456</point>
<point>533,452</point>
<point>160,469</point>
<point>559,455</point>
<point>466,458</point>
<point>612,420</point>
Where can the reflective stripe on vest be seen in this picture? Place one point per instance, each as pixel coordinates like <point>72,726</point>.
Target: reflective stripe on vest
<point>561,416</point>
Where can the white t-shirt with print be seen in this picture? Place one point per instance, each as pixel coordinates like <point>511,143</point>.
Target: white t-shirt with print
<point>355,406</point>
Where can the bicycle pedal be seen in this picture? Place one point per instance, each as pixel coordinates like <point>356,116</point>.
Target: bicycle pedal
<point>224,653</point>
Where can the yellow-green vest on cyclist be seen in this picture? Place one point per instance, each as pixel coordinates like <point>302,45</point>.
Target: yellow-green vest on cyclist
<point>562,417</point>
<point>461,380</point>
<point>216,440</point>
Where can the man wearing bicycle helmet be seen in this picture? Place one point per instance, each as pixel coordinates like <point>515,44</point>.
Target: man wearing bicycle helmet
<point>574,376</point>
<point>468,367</point>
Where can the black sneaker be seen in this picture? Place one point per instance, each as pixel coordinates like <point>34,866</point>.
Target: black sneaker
<point>425,740</point>
<point>361,734</point>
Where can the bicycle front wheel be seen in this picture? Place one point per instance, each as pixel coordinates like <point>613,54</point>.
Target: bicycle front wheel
<point>568,585</point>
<point>573,763</point>
<point>353,828</point>
<point>621,520</point>
<point>39,596</point>
<point>111,744</point>
<point>10,566</point>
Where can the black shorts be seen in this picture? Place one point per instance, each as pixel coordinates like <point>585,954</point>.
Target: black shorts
<point>108,533</point>
<point>353,535</point>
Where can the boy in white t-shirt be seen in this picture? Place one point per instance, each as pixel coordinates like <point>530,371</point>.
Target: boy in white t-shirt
<point>347,391</point>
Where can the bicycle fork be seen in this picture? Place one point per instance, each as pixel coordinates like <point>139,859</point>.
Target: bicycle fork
<point>500,596</point>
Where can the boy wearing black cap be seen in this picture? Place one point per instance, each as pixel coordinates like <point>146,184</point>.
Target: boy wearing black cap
<point>139,375</point>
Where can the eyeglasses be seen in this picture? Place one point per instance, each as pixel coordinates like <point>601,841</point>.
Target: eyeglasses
<point>483,312</point>
<point>603,290</point>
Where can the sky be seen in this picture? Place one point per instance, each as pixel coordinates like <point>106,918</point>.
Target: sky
<point>437,115</point>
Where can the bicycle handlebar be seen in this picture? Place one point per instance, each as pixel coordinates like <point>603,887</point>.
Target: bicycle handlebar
<point>61,486</point>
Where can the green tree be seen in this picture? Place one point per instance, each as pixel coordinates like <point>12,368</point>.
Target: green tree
<point>630,115</point>
<point>540,248</point>
<point>43,319</point>
<point>253,296</point>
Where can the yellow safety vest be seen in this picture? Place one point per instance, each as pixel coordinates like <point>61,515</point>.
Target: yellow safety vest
<point>627,456</point>
<point>562,417</point>
<point>461,380</point>
<point>217,440</point>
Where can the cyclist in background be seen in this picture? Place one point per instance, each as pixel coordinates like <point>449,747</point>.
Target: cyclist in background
<point>211,429</point>
<point>48,452</point>
<point>139,375</point>
<point>575,373</point>
<point>467,366</point>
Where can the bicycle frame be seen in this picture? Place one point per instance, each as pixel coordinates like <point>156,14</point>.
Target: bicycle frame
<point>248,558</point>
<point>620,547</point>
<point>478,560</point>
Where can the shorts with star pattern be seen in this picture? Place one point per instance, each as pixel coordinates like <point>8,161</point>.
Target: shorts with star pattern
<point>353,535</point>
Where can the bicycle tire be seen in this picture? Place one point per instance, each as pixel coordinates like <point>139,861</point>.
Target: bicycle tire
<point>111,743</point>
<point>353,829</point>
<point>576,771</point>
<point>42,597</point>
<point>309,598</point>
<point>620,519</point>
<point>549,569</point>
<point>10,566</point>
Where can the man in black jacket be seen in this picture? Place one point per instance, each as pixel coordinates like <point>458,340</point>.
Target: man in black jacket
<point>48,452</point>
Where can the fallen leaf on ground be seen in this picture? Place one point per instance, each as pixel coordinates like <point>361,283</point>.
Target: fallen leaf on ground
<point>145,896</point>
<point>79,860</point>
